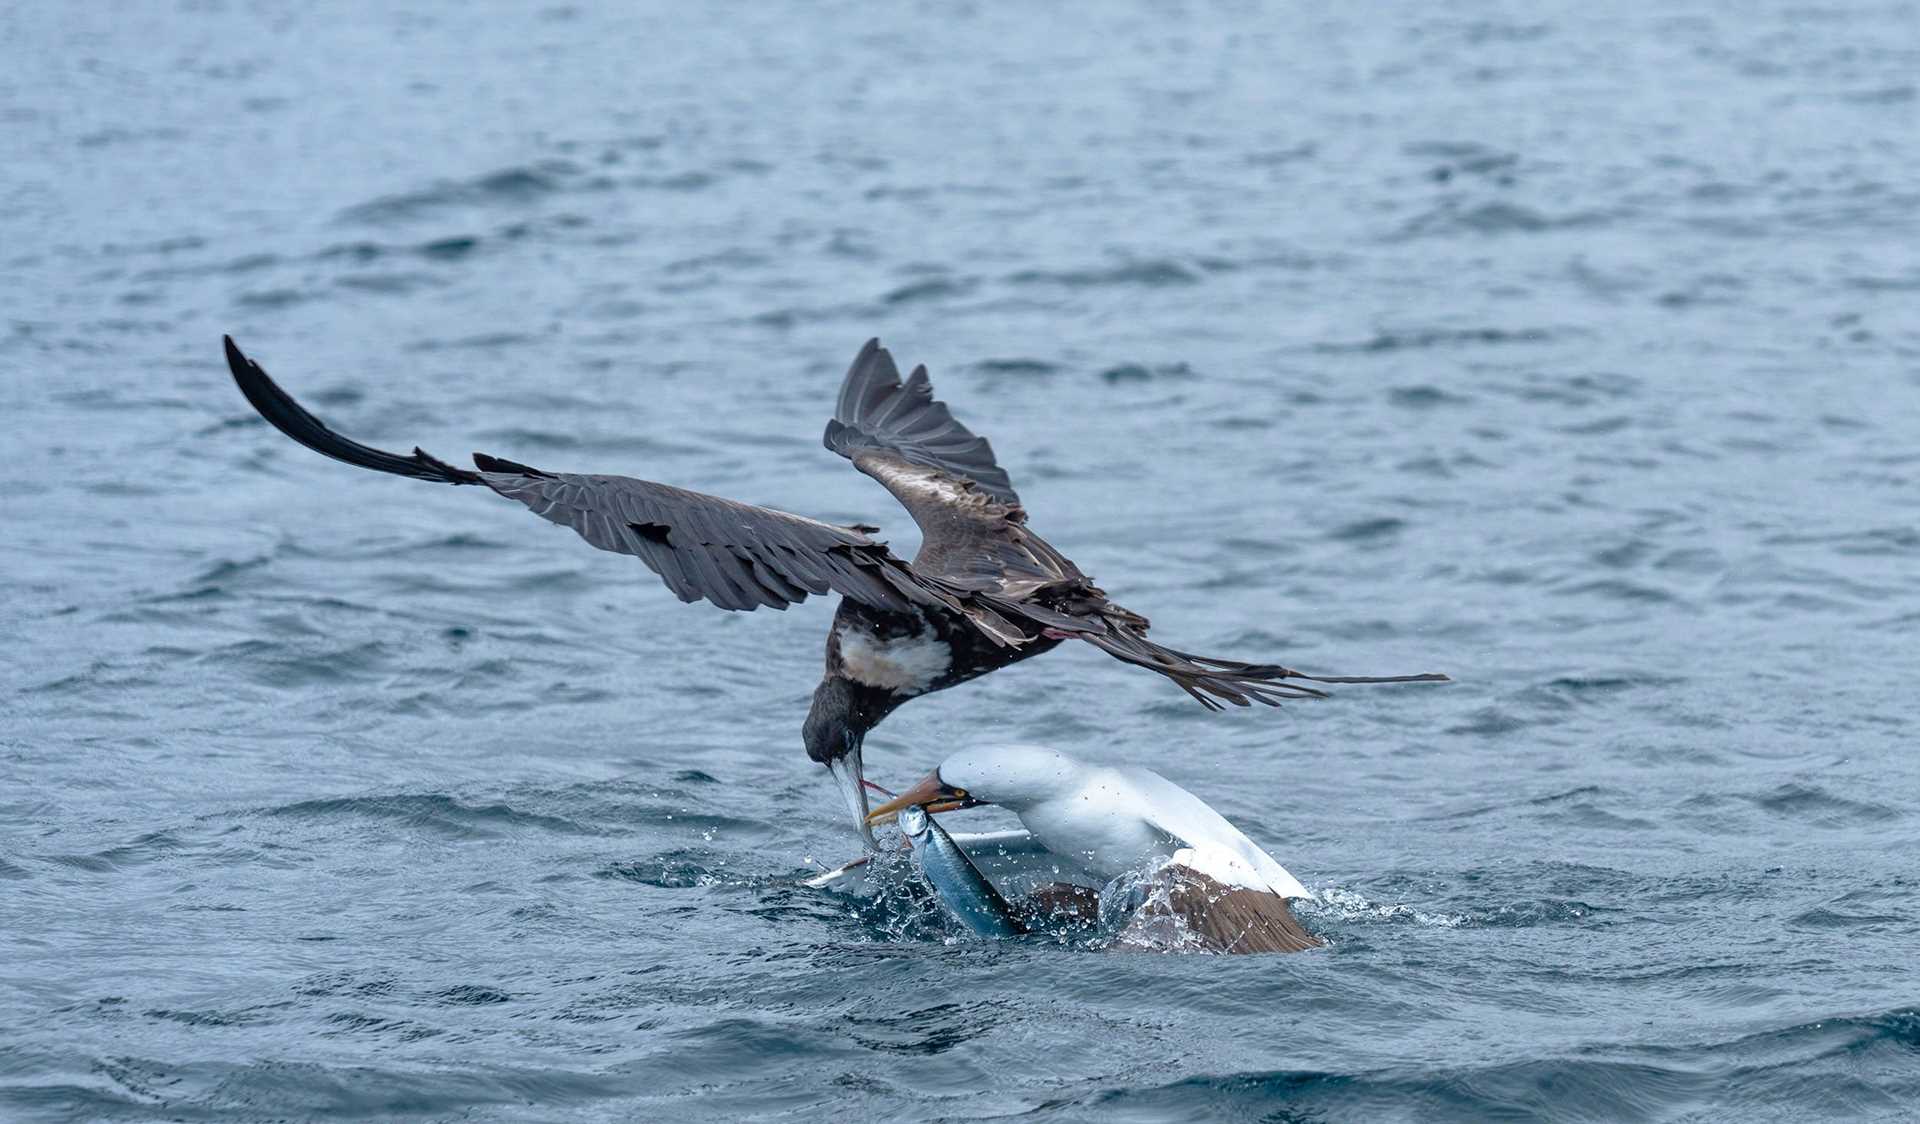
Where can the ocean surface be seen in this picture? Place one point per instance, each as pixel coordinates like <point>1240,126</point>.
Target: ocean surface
<point>1572,350</point>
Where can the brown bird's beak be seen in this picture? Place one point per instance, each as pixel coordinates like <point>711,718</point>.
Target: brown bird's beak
<point>931,793</point>
<point>851,778</point>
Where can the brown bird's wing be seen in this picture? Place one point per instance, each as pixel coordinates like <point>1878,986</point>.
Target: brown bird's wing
<point>877,411</point>
<point>1187,911</point>
<point>735,555</point>
<point>972,527</point>
<point>975,541</point>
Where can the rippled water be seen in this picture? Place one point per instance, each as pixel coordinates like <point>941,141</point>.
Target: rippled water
<point>1569,350</point>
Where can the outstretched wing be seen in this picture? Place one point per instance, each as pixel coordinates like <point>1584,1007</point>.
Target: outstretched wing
<point>975,542</point>
<point>735,555</point>
<point>973,529</point>
<point>876,411</point>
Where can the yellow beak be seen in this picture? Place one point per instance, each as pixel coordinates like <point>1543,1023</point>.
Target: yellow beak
<point>931,793</point>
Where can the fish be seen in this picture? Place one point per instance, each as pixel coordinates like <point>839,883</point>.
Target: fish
<point>959,885</point>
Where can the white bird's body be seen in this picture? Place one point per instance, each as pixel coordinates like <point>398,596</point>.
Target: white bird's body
<point>1117,820</point>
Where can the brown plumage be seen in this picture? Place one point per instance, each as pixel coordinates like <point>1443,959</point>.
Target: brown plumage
<point>1186,910</point>
<point>983,592</point>
<point>1060,905</point>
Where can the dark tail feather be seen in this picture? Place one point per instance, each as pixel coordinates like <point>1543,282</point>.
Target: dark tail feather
<point>1423,677</point>
<point>1210,680</point>
<point>292,419</point>
<point>1278,672</point>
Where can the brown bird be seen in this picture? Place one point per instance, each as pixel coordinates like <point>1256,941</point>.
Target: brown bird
<point>983,592</point>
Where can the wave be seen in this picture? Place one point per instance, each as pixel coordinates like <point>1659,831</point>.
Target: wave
<point>1340,904</point>
<point>433,812</point>
<point>150,847</point>
<point>1149,272</point>
<point>1454,217</point>
<point>1016,366</point>
<point>1425,338</point>
<point>1812,804</point>
<point>929,289</point>
<point>122,1087</point>
<point>1847,1067</point>
<point>514,185</point>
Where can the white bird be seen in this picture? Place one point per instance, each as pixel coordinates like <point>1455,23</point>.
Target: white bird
<point>1205,883</point>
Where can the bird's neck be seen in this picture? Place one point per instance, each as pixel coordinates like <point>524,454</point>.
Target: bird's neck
<point>1104,840</point>
<point>854,704</point>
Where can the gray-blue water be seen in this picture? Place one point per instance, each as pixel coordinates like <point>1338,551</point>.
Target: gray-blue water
<point>1570,349</point>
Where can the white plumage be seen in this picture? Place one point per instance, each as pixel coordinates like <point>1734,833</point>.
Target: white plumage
<point>1115,820</point>
<point>908,665</point>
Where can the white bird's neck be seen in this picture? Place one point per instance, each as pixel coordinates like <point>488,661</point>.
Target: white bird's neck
<point>1105,836</point>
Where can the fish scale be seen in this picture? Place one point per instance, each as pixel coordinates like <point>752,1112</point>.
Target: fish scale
<point>959,885</point>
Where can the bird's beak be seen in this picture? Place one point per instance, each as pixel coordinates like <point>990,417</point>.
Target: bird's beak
<point>851,777</point>
<point>932,793</point>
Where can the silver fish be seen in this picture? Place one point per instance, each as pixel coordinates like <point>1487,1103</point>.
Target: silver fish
<point>955,880</point>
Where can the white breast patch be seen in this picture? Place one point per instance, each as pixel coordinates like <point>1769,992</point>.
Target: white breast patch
<point>908,665</point>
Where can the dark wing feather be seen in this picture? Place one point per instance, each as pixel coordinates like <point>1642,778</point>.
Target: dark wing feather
<point>966,536</point>
<point>292,419</point>
<point>877,411</point>
<point>736,555</point>
<point>971,522</point>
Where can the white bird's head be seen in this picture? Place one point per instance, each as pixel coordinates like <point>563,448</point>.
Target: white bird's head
<point>1015,777</point>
